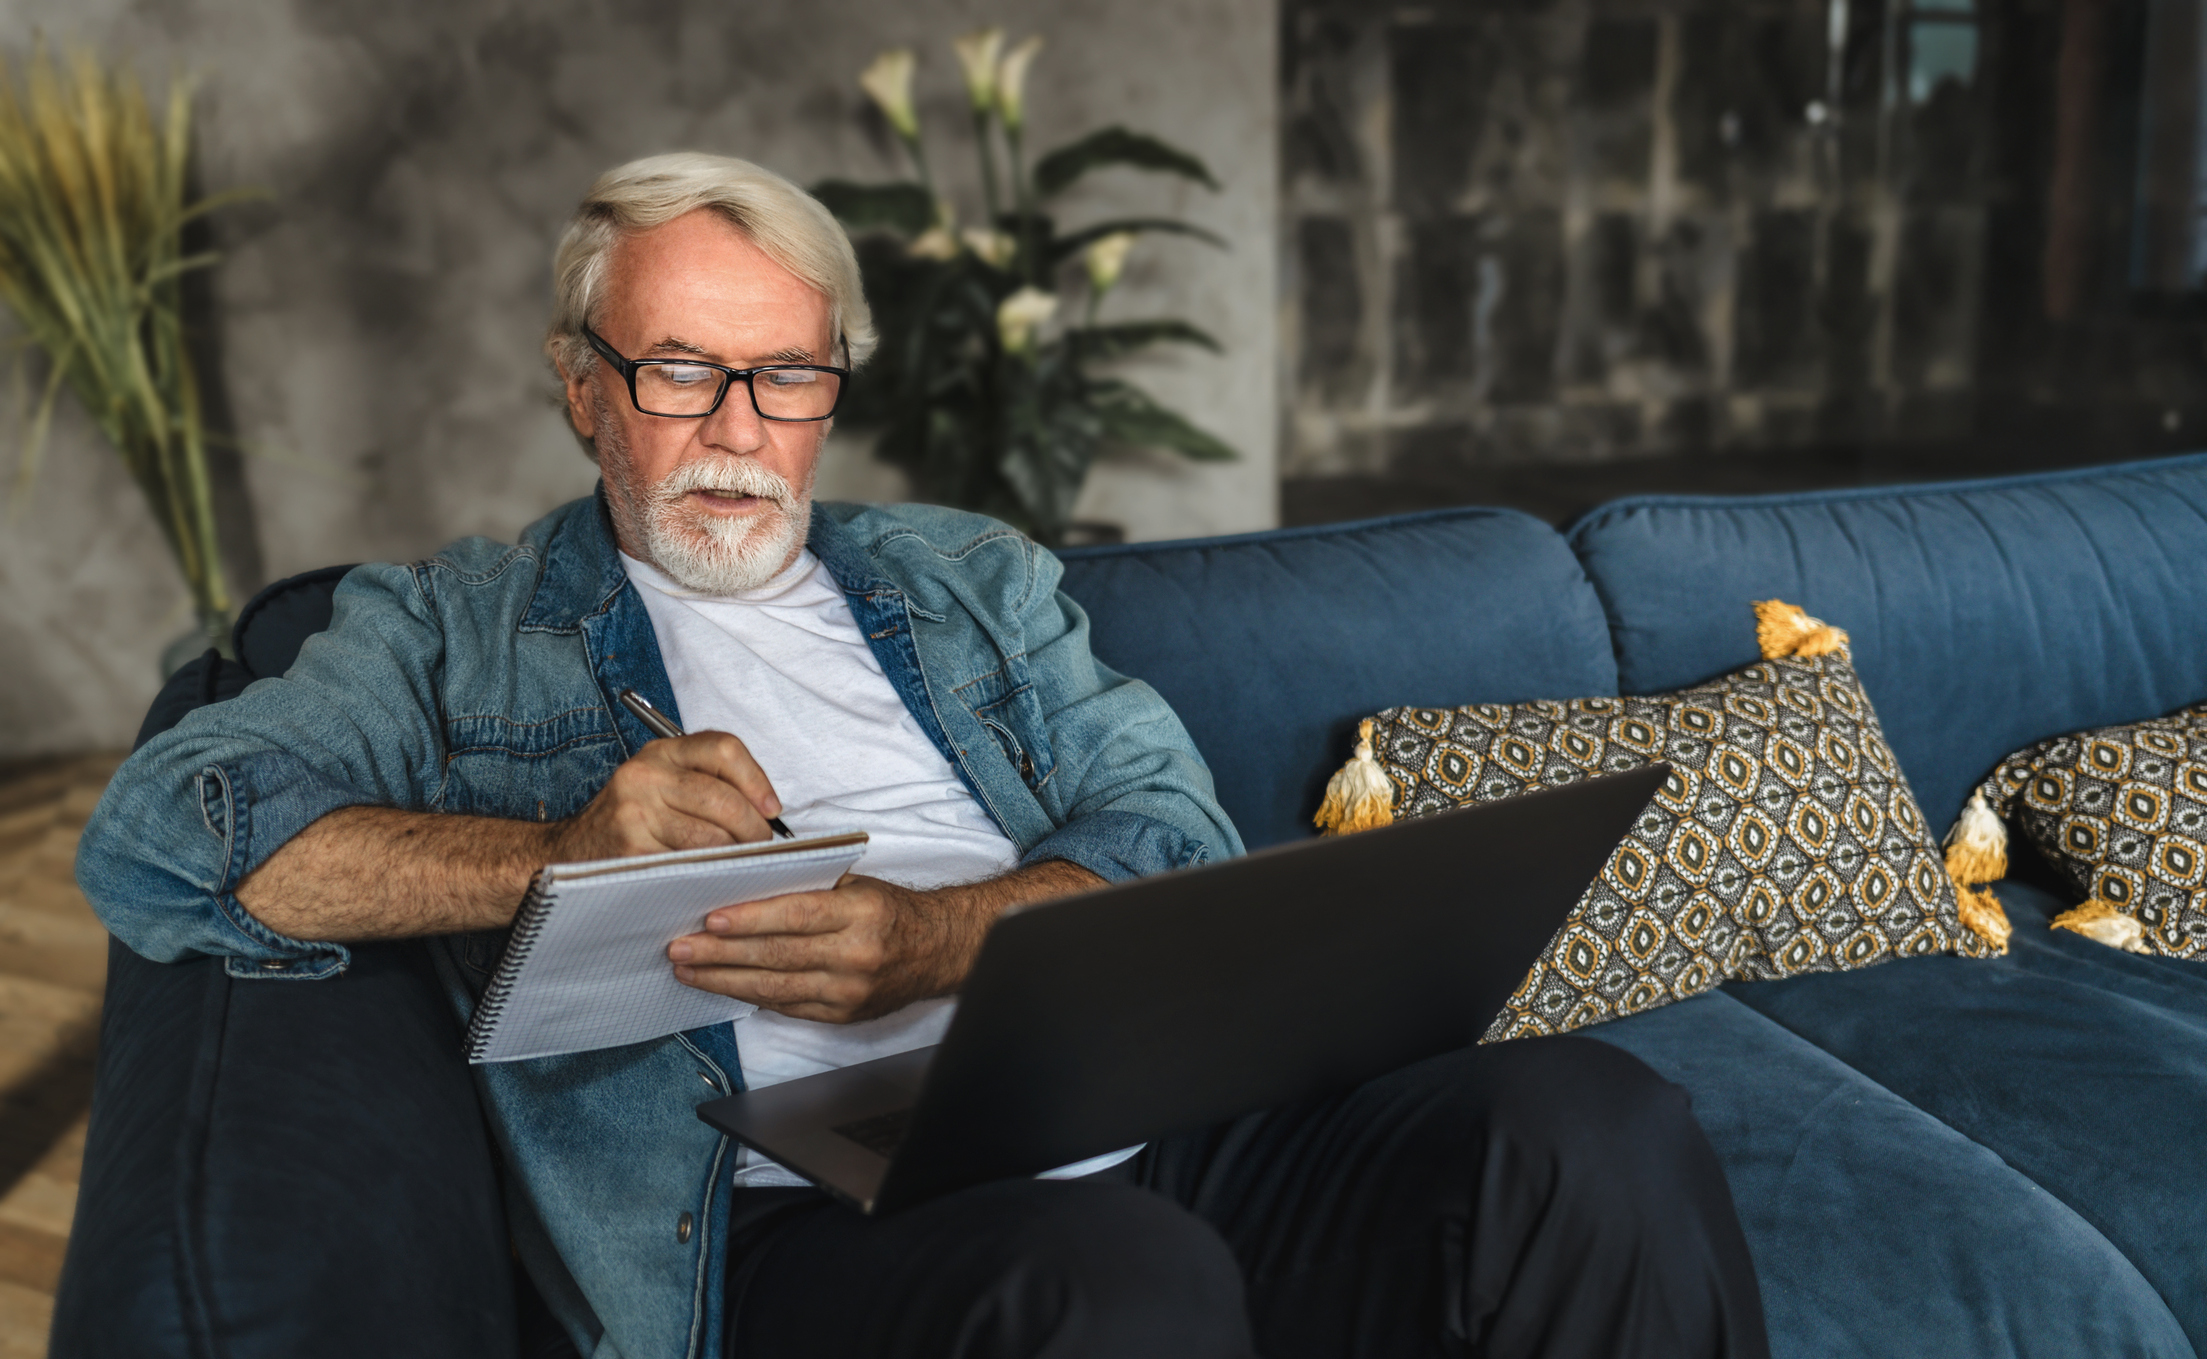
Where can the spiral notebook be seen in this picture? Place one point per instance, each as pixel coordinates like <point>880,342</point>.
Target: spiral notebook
<point>586,966</point>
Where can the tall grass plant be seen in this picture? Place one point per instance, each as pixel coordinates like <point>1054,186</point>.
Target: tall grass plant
<point>95,194</point>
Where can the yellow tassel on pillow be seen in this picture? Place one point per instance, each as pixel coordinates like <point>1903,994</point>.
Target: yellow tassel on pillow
<point>1977,846</point>
<point>1359,796</point>
<point>1781,629</point>
<point>1977,853</point>
<point>1982,914</point>
<point>2102,923</point>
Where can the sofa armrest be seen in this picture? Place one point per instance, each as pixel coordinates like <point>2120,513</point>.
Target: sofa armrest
<point>209,679</point>
<point>278,1168</point>
<point>283,1168</point>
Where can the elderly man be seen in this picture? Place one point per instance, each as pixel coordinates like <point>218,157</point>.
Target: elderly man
<point>913,671</point>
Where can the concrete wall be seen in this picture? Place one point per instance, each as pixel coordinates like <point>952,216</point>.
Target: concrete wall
<point>379,314</point>
<point>1608,228</point>
<point>1564,238</point>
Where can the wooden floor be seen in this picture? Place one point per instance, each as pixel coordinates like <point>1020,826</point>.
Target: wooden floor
<point>53,963</point>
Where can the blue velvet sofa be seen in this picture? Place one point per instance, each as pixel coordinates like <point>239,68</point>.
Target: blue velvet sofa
<point>1933,1156</point>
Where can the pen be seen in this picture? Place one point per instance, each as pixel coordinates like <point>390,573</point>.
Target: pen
<point>660,726</point>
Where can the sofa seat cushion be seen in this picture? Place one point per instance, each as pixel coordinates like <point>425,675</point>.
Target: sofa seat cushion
<point>2083,1067</point>
<point>2175,984</point>
<point>1876,1229</point>
<point>1985,615</point>
<point>1270,646</point>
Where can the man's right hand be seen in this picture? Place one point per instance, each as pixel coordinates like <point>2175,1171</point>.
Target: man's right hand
<point>684,792</point>
<point>377,873</point>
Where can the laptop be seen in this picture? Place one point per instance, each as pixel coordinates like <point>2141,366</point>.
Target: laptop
<point>1096,1022</point>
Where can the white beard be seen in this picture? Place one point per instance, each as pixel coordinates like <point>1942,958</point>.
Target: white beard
<point>706,552</point>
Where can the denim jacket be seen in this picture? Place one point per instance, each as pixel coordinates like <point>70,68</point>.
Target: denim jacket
<point>482,681</point>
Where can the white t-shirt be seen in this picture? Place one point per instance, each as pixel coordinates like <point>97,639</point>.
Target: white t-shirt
<point>785,668</point>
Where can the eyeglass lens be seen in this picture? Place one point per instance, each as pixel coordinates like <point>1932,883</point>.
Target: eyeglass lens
<point>776,393</point>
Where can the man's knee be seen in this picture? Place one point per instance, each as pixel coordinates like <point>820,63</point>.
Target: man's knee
<point>1584,1098</point>
<point>1624,1184</point>
<point>1586,1119</point>
<point>1104,1268</point>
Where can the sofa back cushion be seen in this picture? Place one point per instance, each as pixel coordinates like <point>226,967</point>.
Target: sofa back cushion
<point>1270,646</point>
<point>1986,615</point>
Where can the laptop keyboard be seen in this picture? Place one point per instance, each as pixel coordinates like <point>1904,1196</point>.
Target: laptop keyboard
<point>881,1134</point>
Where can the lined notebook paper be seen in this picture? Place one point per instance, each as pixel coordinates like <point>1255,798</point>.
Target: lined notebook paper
<point>587,964</point>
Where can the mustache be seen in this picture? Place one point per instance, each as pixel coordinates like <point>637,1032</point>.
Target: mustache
<point>726,476</point>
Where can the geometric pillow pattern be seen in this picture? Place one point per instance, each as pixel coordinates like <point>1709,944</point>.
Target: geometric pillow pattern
<point>2122,812</point>
<point>1786,839</point>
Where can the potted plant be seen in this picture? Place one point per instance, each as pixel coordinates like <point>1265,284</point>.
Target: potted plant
<point>94,197</point>
<point>980,392</point>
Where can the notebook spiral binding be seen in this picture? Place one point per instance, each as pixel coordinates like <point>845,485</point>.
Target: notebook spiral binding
<point>527,925</point>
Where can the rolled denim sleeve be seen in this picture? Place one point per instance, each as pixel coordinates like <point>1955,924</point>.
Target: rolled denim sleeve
<point>199,807</point>
<point>1118,845</point>
<point>1130,793</point>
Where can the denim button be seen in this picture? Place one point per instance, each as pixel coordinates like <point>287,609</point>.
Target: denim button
<point>682,1227</point>
<point>707,1077</point>
<point>273,965</point>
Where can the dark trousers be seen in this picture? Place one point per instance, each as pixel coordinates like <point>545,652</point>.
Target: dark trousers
<point>1541,1197</point>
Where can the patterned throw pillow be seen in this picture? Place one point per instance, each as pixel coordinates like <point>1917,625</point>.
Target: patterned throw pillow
<point>1785,841</point>
<point>2122,812</point>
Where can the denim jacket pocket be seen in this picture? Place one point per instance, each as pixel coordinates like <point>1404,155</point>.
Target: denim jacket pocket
<point>1013,751</point>
<point>1004,702</point>
<point>541,771</point>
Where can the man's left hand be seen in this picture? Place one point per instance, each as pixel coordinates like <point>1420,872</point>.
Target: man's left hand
<point>860,950</point>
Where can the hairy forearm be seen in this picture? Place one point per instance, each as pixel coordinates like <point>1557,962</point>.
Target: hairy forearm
<point>364,873</point>
<point>377,873</point>
<point>955,919</point>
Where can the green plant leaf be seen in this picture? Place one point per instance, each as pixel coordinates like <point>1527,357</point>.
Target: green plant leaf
<point>1109,342</point>
<point>1115,146</point>
<point>1067,246</point>
<point>34,437</point>
<point>905,208</point>
<point>163,272</point>
<point>1049,437</point>
<point>1130,416</point>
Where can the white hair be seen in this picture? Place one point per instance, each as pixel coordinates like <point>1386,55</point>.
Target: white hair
<point>784,221</point>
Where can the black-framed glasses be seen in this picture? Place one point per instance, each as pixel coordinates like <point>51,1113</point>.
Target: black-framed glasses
<point>688,389</point>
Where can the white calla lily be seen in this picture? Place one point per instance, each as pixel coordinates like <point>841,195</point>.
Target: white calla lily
<point>1106,260</point>
<point>1011,82</point>
<point>977,54</point>
<point>995,247</point>
<point>933,244</point>
<point>1020,315</point>
<point>889,82</point>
